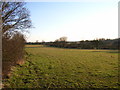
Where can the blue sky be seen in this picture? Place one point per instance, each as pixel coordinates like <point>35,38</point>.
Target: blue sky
<point>75,20</point>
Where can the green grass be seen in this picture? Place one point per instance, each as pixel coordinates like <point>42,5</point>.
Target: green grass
<point>48,67</point>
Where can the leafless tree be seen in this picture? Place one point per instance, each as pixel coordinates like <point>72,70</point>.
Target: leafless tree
<point>61,39</point>
<point>15,17</point>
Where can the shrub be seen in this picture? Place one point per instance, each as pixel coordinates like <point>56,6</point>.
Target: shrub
<point>12,51</point>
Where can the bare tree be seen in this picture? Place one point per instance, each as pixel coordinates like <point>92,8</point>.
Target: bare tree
<point>57,40</point>
<point>63,39</point>
<point>15,17</point>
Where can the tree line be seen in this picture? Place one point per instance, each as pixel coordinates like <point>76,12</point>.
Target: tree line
<point>83,44</point>
<point>88,44</point>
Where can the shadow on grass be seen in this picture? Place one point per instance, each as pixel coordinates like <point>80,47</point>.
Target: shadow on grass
<point>108,51</point>
<point>32,47</point>
<point>114,52</point>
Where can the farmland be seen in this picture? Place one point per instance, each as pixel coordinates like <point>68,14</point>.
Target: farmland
<point>48,67</point>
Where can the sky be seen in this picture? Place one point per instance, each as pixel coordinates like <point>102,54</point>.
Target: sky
<point>75,20</point>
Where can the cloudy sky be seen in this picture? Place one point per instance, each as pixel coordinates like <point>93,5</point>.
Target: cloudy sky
<point>83,20</point>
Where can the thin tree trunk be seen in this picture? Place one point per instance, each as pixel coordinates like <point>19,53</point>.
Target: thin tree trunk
<point>0,49</point>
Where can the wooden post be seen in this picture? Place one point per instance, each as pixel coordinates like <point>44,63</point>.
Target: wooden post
<point>0,45</point>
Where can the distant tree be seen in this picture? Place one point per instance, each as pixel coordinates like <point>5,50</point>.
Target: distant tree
<point>95,43</point>
<point>57,40</point>
<point>43,42</point>
<point>61,42</point>
<point>101,39</point>
<point>36,41</point>
<point>118,43</point>
<point>63,39</point>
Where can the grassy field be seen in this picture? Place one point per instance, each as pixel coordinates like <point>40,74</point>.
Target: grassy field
<point>48,67</point>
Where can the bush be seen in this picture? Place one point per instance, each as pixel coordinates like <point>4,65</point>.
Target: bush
<point>12,51</point>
